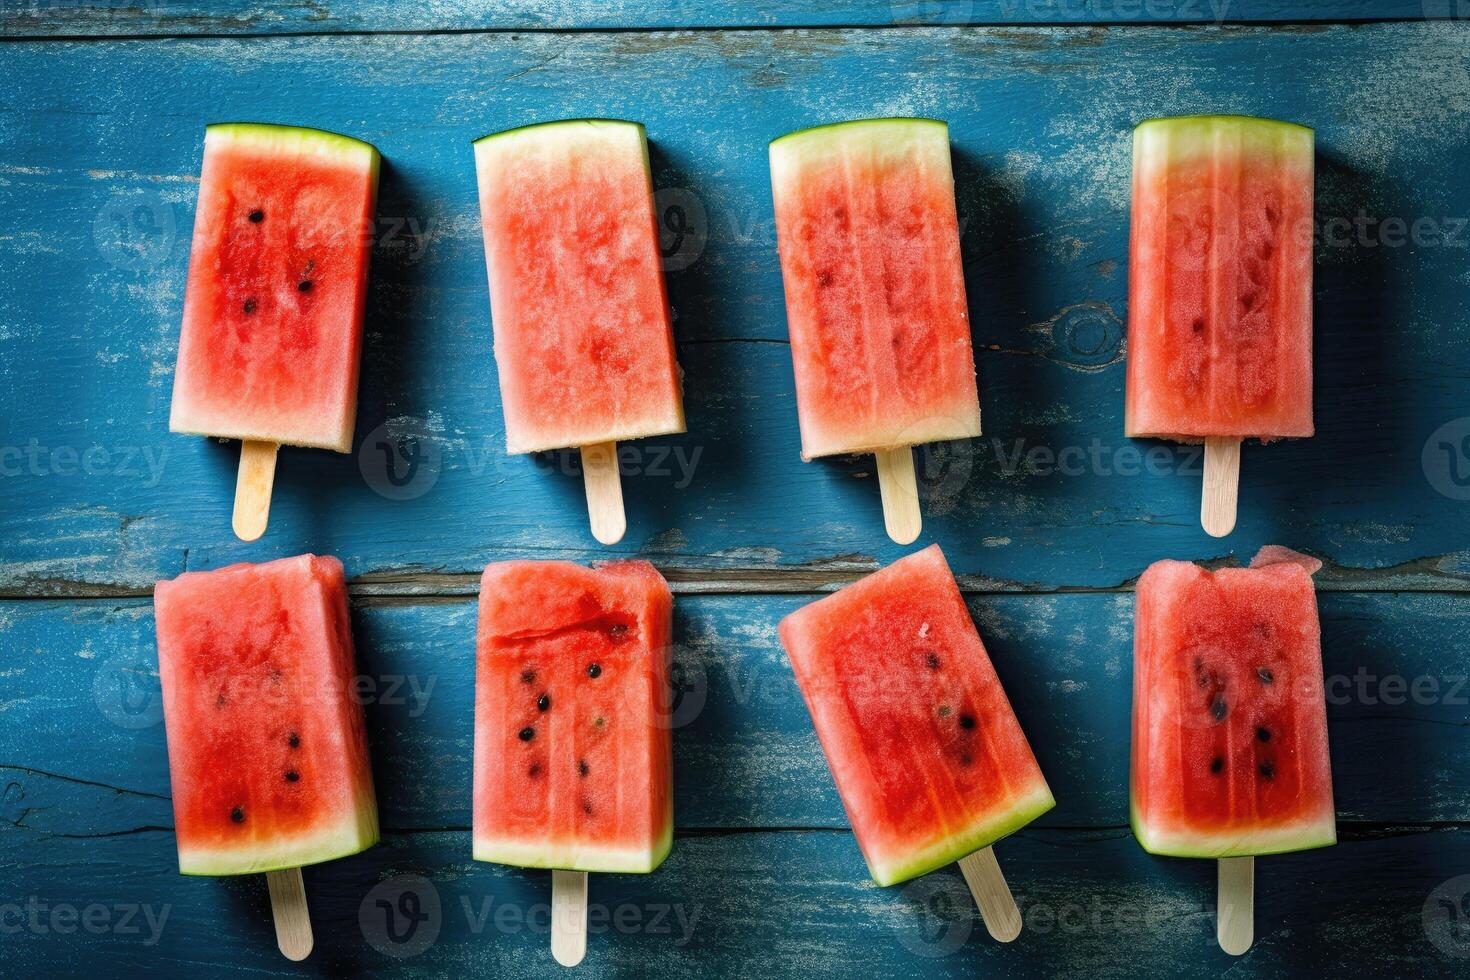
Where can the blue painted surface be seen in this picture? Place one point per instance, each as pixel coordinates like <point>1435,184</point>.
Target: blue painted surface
<point>99,155</point>
<point>41,18</point>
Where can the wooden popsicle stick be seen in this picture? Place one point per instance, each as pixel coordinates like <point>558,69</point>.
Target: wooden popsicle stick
<point>1235,904</point>
<point>604,492</point>
<point>568,916</point>
<point>288,908</point>
<point>253,488</point>
<point>1222,483</point>
<point>988,886</point>
<point>900,494</point>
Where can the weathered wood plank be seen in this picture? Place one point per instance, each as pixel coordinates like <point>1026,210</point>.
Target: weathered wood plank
<point>115,18</point>
<point>745,754</point>
<point>756,904</point>
<point>98,152</point>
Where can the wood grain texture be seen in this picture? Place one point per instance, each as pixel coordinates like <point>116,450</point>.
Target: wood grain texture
<point>99,155</point>
<point>44,18</point>
<point>101,147</point>
<point>1094,905</point>
<point>745,754</point>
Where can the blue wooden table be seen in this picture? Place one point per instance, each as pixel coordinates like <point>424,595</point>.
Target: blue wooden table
<point>1048,518</point>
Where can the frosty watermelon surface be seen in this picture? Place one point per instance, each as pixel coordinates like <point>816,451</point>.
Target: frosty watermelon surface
<point>1220,279</point>
<point>583,340</point>
<point>277,286</point>
<point>573,766</point>
<point>926,752</point>
<point>1229,719</point>
<point>267,749</point>
<point>875,289</point>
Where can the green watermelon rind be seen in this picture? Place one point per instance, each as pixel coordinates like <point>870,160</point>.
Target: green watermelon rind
<point>984,832</point>
<point>353,835</point>
<point>1196,134</point>
<point>588,857</point>
<point>1307,836</point>
<point>577,123</point>
<point>818,133</point>
<point>1187,122</point>
<point>319,142</point>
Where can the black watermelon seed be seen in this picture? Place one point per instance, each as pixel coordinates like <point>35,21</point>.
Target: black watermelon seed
<point>304,285</point>
<point>1263,734</point>
<point>1265,675</point>
<point>1267,770</point>
<point>544,702</point>
<point>582,768</point>
<point>249,306</point>
<point>292,775</point>
<point>527,733</point>
<point>1216,764</point>
<point>257,216</point>
<point>1218,708</point>
<point>931,661</point>
<point>594,670</point>
<point>534,770</point>
<point>293,740</point>
<point>967,722</point>
<point>238,815</point>
<point>528,677</point>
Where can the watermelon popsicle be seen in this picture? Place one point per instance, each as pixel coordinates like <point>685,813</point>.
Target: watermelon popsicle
<point>875,297</point>
<point>573,767</point>
<point>274,307</point>
<point>266,743</point>
<point>928,757</point>
<point>1220,291</point>
<point>1230,755</point>
<point>583,340</point>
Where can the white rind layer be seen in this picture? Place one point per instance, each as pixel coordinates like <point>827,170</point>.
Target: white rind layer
<point>355,832</point>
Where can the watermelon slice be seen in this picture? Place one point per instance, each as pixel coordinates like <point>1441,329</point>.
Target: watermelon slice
<point>1229,719</point>
<point>573,766</point>
<point>875,287</point>
<point>583,341</point>
<point>277,285</point>
<point>266,745</point>
<point>927,754</point>
<point>1220,279</point>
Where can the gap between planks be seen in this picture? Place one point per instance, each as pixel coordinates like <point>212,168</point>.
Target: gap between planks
<point>1419,576</point>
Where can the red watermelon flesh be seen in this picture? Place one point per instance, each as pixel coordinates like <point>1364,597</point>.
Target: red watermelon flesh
<point>875,288</point>
<point>573,764</point>
<point>1229,718</point>
<point>1220,279</point>
<point>267,749</point>
<point>583,340</point>
<point>926,752</point>
<point>277,286</point>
